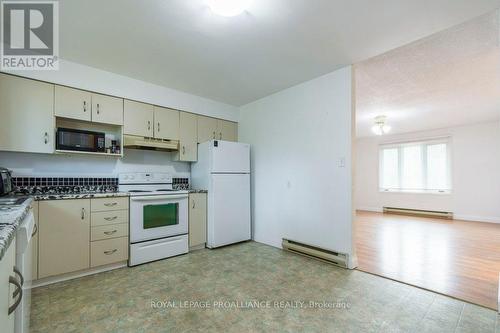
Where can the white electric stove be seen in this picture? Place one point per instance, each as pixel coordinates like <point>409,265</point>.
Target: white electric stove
<point>158,216</point>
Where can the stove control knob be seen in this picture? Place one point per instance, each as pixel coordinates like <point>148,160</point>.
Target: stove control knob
<point>125,177</point>
<point>132,177</point>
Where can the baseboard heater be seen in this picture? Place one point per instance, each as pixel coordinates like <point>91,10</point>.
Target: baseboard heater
<point>338,259</point>
<point>418,212</point>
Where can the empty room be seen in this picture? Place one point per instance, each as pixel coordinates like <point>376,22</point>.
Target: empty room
<point>428,129</point>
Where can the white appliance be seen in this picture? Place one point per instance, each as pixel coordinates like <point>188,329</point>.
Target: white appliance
<point>223,168</point>
<point>158,216</point>
<point>24,233</point>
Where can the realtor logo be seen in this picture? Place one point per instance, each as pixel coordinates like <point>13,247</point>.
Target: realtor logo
<point>29,35</point>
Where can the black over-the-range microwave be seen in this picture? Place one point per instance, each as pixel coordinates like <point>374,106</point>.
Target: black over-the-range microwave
<point>80,140</point>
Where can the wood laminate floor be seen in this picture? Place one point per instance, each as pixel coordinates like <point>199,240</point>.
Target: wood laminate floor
<point>456,258</point>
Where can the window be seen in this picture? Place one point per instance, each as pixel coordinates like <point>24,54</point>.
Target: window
<point>415,167</point>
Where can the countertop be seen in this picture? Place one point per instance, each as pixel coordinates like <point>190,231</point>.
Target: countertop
<point>41,197</point>
<point>9,221</point>
<point>12,217</point>
<point>197,191</point>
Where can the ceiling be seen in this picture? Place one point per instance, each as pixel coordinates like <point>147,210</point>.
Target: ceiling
<point>451,78</point>
<point>276,44</point>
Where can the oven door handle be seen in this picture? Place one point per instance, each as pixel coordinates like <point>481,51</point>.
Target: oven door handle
<point>159,197</point>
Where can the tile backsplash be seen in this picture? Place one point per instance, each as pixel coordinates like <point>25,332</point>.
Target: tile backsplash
<point>62,181</point>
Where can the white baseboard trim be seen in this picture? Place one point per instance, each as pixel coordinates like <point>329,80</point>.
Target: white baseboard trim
<point>352,262</point>
<point>475,218</point>
<point>74,275</point>
<point>371,209</point>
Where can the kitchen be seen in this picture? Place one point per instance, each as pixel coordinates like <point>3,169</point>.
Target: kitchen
<point>189,166</point>
<point>76,226</point>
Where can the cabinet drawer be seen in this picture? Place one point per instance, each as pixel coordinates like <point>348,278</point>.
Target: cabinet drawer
<point>104,204</point>
<point>108,231</point>
<point>110,217</point>
<point>108,251</point>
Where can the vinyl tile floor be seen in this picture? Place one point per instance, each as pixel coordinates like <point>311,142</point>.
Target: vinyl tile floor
<point>248,287</point>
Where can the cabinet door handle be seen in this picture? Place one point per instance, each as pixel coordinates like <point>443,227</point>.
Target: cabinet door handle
<point>110,252</point>
<point>220,136</point>
<point>158,127</point>
<point>213,135</point>
<point>83,213</point>
<point>194,205</point>
<point>21,278</point>
<point>97,108</point>
<point>110,232</point>
<point>19,290</point>
<point>84,106</point>
<point>149,125</point>
<point>111,218</point>
<point>111,204</point>
<point>183,150</point>
<point>35,230</point>
<point>46,138</point>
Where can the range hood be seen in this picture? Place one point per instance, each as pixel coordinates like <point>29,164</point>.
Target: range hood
<point>139,142</point>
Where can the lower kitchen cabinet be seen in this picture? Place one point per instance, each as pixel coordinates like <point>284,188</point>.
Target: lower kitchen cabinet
<point>108,251</point>
<point>64,236</point>
<point>79,234</point>
<point>7,288</point>
<point>109,231</point>
<point>197,220</point>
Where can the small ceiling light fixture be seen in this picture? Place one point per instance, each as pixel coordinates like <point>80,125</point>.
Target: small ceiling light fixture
<point>380,127</point>
<point>229,8</point>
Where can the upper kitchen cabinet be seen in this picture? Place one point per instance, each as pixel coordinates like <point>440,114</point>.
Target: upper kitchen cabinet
<point>27,115</point>
<point>207,129</point>
<point>188,133</point>
<point>83,105</point>
<point>138,119</point>
<point>107,109</point>
<point>227,130</point>
<point>73,103</point>
<point>166,123</point>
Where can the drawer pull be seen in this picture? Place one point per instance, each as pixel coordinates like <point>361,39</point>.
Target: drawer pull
<point>111,204</point>
<point>110,232</point>
<point>111,218</point>
<point>110,252</point>
<point>18,291</point>
<point>21,278</point>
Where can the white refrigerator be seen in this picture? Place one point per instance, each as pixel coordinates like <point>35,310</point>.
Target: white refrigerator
<point>223,168</point>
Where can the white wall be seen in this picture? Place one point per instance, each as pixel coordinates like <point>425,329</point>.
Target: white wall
<point>49,165</point>
<point>298,137</point>
<point>475,174</point>
<point>93,79</point>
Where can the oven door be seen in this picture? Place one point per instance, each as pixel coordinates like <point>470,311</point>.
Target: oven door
<point>158,216</point>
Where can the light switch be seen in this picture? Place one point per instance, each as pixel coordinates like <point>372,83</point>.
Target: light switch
<point>342,162</point>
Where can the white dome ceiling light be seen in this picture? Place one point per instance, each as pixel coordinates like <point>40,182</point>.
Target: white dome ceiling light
<point>381,127</point>
<point>228,8</point>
